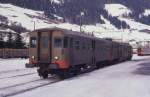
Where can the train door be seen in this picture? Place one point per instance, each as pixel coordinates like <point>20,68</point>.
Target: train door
<point>71,51</point>
<point>93,53</point>
<point>44,48</point>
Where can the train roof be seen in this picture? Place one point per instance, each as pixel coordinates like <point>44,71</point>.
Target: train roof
<point>83,34</point>
<point>65,31</point>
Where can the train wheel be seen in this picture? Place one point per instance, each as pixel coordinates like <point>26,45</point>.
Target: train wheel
<point>98,66</point>
<point>64,74</point>
<point>44,75</point>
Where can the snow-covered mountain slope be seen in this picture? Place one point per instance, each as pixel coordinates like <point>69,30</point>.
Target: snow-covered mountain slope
<point>108,30</point>
<point>29,19</point>
<point>136,32</point>
<point>56,1</point>
<point>25,17</point>
<point>147,12</point>
<point>117,9</point>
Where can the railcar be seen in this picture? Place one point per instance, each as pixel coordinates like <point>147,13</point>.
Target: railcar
<point>143,48</point>
<point>63,52</point>
<point>143,51</point>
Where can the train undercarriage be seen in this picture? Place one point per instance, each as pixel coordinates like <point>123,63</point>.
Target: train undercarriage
<point>65,73</point>
<point>44,70</point>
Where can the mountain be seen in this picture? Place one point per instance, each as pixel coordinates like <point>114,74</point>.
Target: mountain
<point>15,20</point>
<point>70,9</point>
<point>117,19</point>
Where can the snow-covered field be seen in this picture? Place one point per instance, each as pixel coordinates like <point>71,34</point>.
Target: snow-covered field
<point>127,79</point>
<point>12,64</point>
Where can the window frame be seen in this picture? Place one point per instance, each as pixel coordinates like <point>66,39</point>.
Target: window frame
<point>60,45</point>
<point>77,45</point>
<point>45,42</point>
<point>65,42</point>
<point>33,42</point>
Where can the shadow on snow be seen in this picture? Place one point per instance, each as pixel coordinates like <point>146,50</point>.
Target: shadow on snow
<point>143,69</point>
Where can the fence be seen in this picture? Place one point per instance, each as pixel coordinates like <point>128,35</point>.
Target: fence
<point>14,53</point>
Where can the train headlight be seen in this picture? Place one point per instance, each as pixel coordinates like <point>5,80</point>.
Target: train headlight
<point>33,57</point>
<point>56,57</point>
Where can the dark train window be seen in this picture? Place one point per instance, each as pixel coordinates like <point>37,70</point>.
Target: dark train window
<point>77,45</point>
<point>93,44</point>
<point>44,42</point>
<point>83,45</point>
<point>89,46</point>
<point>65,42</point>
<point>71,42</point>
<point>58,42</point>
<point>33,42</point>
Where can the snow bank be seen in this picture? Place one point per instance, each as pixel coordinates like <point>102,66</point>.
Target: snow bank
<point>12,64</point>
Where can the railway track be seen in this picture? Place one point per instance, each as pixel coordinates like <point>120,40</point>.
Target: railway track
<point>28,86</point>
<point>10,71</point>
<point>18,75</point>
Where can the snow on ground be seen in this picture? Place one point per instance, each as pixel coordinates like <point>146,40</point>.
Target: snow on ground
<point>135,30</point>
<point>56,1</point>
<point>127,79</point>
<point>15,78</point>
<point>107,24</point>
<point>135,25</point>
<point>12,64</point>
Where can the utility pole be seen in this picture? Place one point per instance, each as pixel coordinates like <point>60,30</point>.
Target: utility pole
<point>33,23</point>
<point>122,32</point>
<point>81,15</point>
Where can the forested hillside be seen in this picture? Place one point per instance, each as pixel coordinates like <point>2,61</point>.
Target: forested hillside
<point>70,9</point>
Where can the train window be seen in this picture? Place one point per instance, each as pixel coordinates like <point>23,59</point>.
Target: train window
<point>65,42</point>
<point>83,45</point>
<point>93,44</point>
<point>71,42</point>
<point>58,42</point>
<point>77,45</point>
<point>44,42</point>
<point>33,42</point>
<point>89,46</point>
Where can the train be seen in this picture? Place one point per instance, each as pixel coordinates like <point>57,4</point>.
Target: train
<point>143,51</point>
<point>62,52</point>
<point>14,53</point>
<point>143,48</point>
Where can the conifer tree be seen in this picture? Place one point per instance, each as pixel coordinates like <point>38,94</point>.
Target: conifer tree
<point>9,43</point>
<point>19,44</point>
<point>1,41</point>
